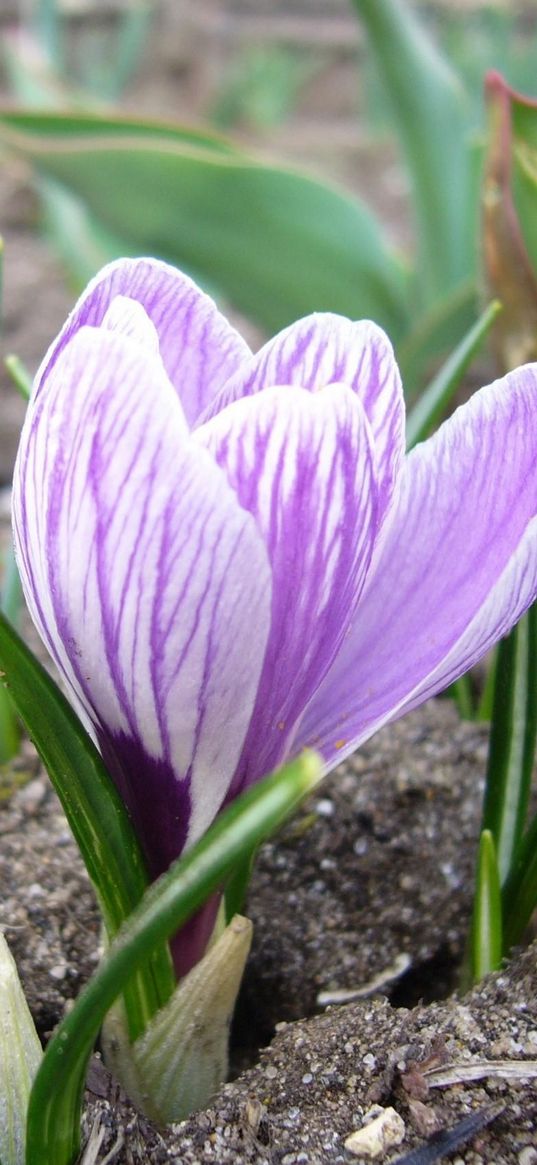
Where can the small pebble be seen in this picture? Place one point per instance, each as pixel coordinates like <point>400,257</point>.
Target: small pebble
<point>527,1156</point>
<point>58,972</point>
<point>384,1132</point>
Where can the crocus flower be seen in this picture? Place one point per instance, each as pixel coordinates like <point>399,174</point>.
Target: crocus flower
<point>229,556</point>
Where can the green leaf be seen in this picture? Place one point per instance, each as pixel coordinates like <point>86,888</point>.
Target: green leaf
<point>462,693</point>
<point>19,375</point>
<point>10,603</point>
<point>237,885</point>
<point>61,127</point>
<point>9,729</point>
<point>277,243</point>
<point>428,411</point>
<point>54,1113</point>
<point>486,954</point>
<point>81,241</point>
<point>94,810</point>
<point>46,26</point>
<point>430,110</point>
<point>434,334</point>
<point>486,704</point>
<point>20,1056</point>
<point>512,741</point>
<point>519,896</point>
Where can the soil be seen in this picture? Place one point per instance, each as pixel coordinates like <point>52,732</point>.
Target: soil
<point>367,892</point>
<point>365,895</point>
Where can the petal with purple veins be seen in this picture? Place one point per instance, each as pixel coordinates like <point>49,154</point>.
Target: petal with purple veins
<point>199,349</point>
<point>326,349</point>
<point>303,465</point>
<point>150,584</point>
<point>457,568</point>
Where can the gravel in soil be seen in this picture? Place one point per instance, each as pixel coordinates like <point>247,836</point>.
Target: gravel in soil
<point>366,891</point>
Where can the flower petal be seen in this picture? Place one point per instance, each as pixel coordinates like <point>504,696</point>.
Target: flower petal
<point>326,349</point>
<point>149,583</point>
<point>457,568</point>
<point>200,350</point>
<point>303,465</point>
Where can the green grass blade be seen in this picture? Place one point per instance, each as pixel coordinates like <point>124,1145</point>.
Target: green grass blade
<point>512,741</point>
<point>46,27</point>
<point>54,1112</point>
<point>486,703</point>
<point>519,894</point>
<point>486,939</point>
<point>10,602</point>
<point>94,810</point>
<point>426,414</point>
<point>435,332</point>
<point>461,692</point>
<point>19,375</point>
<point>129,49</point>
<point>81,242</point>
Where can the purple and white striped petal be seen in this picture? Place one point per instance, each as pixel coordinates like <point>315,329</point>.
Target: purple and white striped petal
<point>327,349</point>
<point>199,348</point>
<point>149,583</point>
<point>457,568</point>
<point>303,465</point>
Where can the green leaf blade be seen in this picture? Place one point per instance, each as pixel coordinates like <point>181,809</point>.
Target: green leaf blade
<point>94,810</point>
<point>276,243</point>
<point>428,410</point>
<point>512,741</point>
<point>519,894</point>
<point>486,940</point>
<point>430,109</point>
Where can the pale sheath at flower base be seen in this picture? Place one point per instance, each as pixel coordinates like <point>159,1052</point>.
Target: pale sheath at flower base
<point>229,556</point>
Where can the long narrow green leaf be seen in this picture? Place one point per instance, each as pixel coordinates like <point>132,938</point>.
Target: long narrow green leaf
<point>461,692</point>
<point>10,603</point>
<point>425,415</point>
<point>80,240</point>
<point>486,939</point>
<point>486,704</point>
<point>94,810</point>
<point>520,891</point>
<point>9,730</point>
<point>512,741</point>
<point>430,110</point>
<point>278,244</point>
<point>46,24</point>
<point>19,375</point>
<point>433,334</point>
<point>54,1113</point>
<point>125,53</point>
<point>237,886</point>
